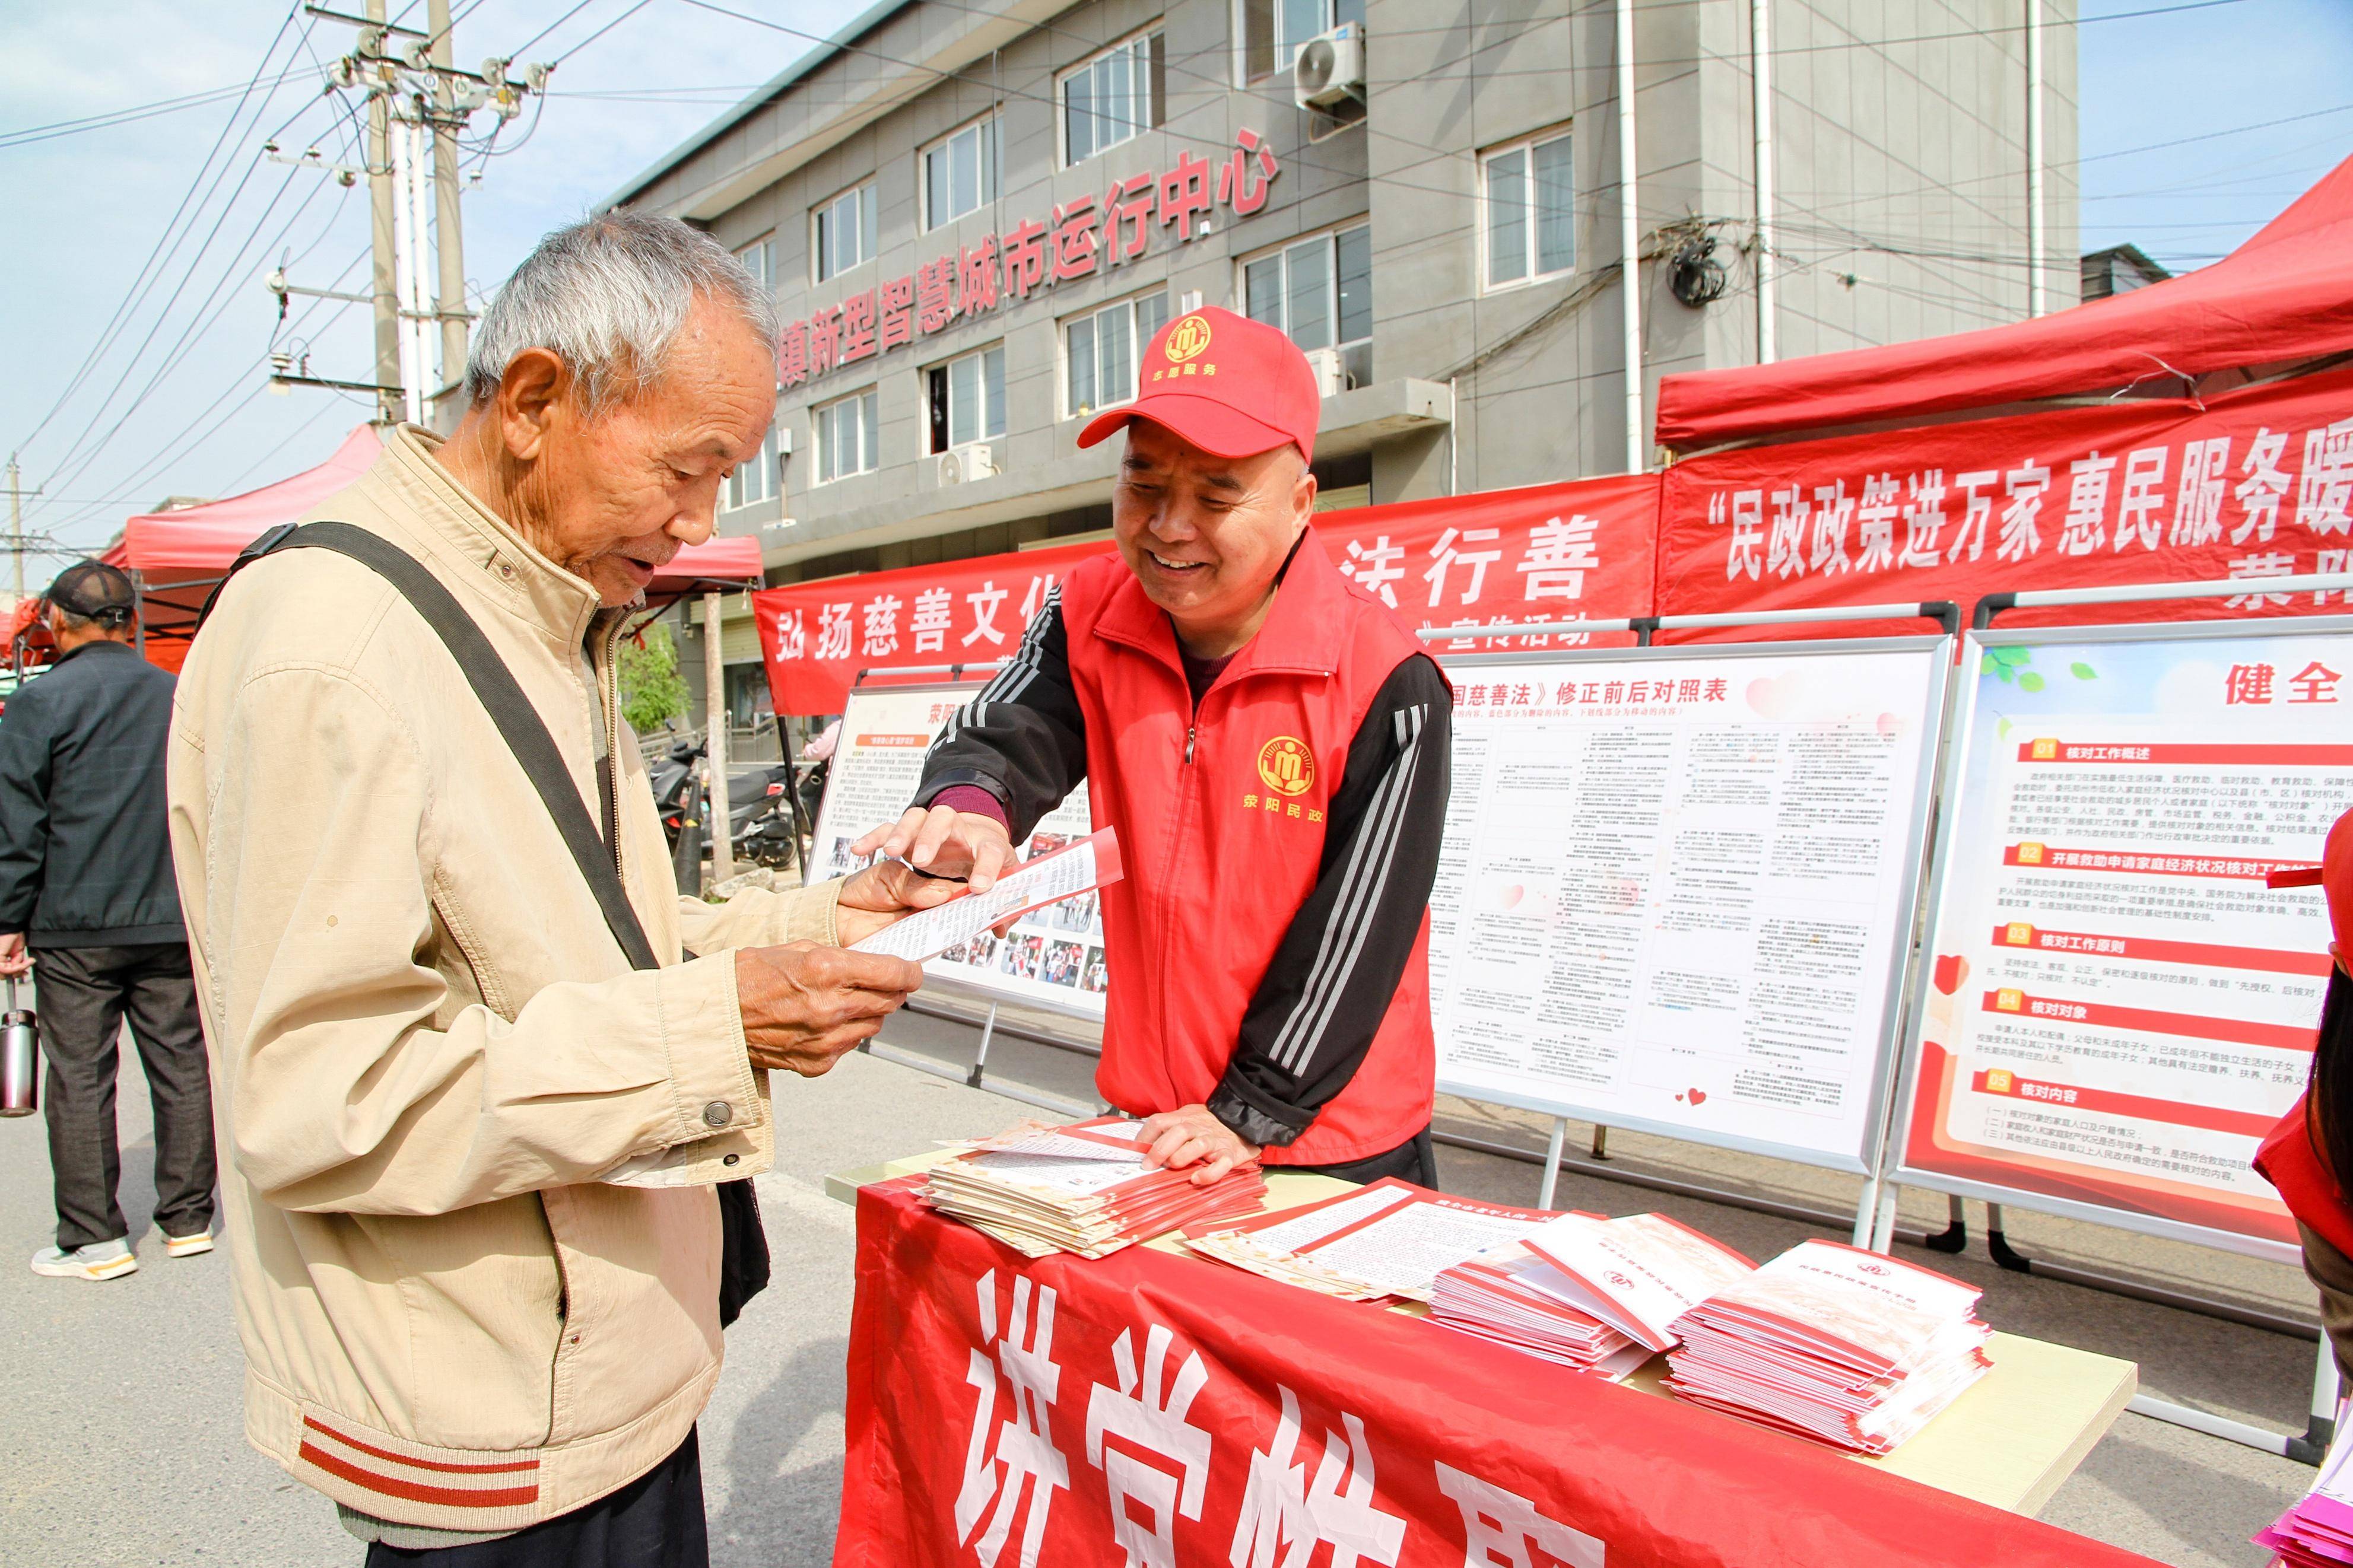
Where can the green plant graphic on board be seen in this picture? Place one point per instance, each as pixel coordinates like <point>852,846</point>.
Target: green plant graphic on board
<point>2010,664</point>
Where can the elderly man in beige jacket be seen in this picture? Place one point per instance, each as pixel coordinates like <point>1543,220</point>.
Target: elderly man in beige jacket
<point>469,1148</point>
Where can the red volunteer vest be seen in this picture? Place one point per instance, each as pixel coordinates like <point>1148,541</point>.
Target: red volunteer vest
<point>2287,1160</point>
<point>1220,820</point>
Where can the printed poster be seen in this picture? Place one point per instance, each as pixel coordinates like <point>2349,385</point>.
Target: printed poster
<point>1054,956</point>
<point>2118,1008</point>
<point>1676,889</point>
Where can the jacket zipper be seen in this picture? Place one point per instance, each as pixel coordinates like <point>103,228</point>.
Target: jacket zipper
<point>609,704</point>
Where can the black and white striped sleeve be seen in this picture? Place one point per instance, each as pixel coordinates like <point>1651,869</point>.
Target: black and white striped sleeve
<point>1322,998</point>
<point>1023,737</point>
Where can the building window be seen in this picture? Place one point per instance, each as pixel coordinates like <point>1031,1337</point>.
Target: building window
<point>1531,226</point>
<point>1102,349</point>
<point>1272,30</point>
<point>967,399</point>
<point>846,435</point>
<point>759,259</point>
<point>1114,97</point>
<point>1319,290</point>
<point>754,479</point>
<point>844,231</point>
<point>960,173</point>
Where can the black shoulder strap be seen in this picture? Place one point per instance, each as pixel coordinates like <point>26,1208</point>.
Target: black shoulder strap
<point>526,734</point>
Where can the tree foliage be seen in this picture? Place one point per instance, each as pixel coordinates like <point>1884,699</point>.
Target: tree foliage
<point>652,692</point>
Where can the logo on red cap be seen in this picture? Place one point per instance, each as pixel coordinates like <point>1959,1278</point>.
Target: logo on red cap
<point>1186,338</point>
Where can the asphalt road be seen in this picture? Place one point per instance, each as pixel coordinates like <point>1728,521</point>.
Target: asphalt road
<point>120,1418</point>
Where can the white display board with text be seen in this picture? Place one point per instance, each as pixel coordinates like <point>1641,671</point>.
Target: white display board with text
<point>1678,885</point>
<point>1054,956</point>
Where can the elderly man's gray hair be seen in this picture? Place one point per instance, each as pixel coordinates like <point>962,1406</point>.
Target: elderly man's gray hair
<point>609,296</point>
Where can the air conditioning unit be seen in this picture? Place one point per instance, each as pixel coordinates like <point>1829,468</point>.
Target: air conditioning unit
<point>1329,68</point>
<point>1331,373</point>
<point>976,462</point>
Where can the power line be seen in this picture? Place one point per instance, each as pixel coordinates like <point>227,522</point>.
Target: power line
<point>115,117</point>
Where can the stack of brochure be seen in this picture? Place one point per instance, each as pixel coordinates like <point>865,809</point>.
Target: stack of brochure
<point>1834,1344</point>
<point>2318,1532</point>
<point>1637,1274</point>
<point>1390,1238</point>
<point>1081,1188</point>
<point>1513,1297</point>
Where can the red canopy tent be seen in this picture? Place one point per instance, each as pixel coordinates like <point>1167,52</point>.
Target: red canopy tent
<point>2284,299</point>
<point>177,557</point>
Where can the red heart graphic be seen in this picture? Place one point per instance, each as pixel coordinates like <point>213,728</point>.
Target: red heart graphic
<point>1699,1097</point>
<point>1950,971</point>
<point>1679,1094</point>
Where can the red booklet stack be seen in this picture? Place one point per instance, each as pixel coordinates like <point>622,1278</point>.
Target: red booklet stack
<point>1516,1299</point>
<point>1830,1343</point>
<point>1081,1188</point>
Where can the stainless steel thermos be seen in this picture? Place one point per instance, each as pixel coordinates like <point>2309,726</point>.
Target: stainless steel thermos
<point>20,1059</point>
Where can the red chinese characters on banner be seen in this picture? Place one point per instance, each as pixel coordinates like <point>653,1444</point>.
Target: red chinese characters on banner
<point>2255,484</point>
<point>1145,1410</point>
<point>1078,240</point>
<point>1550,553</point>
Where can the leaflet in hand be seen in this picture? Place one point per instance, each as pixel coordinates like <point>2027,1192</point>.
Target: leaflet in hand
<point>1637,1274</point>
<point>1073,870</point>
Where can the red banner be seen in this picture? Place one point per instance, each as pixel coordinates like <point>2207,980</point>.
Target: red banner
<point>2256,483</point>
<point>1151,1409</point>
<point>1550,553</point>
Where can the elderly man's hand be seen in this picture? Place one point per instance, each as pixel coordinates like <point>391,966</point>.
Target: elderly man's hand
<point>1189,1135</point>
<point>13,957</point>
<point>804,1005</point>
<point>948,843</point>
<point>884,892</point>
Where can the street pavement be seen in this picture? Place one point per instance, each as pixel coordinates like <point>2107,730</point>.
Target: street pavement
<point>120,1404</point>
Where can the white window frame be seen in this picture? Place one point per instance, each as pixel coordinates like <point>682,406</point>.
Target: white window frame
<point>1138,339</point>
<point>1526,146</point>
<point>978,359</point>
<point>991,136</point>
<point>764,268</point>
<point>867,200</point>
<point>1330,237</point>
<point>755,478</point>
<point>824,434</point>
<point>1155,113</point>
<point>1284,55</point>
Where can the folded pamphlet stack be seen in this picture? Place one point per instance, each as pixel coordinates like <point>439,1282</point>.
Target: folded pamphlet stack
<point>1390,1238</point>
<point>1082,1189</point>
<point>1830,1343</point>
<point>1516,1299</point>
<point>2318,1532</point>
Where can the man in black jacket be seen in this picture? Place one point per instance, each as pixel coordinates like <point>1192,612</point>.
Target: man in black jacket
<point>89,904</point>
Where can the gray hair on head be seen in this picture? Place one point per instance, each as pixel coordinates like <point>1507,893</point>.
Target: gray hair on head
<point>609,295</point>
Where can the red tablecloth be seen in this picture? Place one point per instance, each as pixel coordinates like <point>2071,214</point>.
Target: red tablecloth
<point>1152,1409</point>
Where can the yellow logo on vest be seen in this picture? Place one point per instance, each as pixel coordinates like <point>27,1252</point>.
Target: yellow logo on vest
<point>1286,766</point>
<point>1186,338</point>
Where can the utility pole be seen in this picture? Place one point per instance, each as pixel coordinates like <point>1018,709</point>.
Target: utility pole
<point>448,224</point>
<point>17,494</point>
<point>381,198</point>
<point>714,745</point>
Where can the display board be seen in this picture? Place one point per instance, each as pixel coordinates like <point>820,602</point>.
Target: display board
<point>1054,956</point>
<point>2117,1008</point>
<point>1678,887</point>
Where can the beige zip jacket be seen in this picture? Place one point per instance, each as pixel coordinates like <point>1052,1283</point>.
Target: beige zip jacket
<point>425,1045</point>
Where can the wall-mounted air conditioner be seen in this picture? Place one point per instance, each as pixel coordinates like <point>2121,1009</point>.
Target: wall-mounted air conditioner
<point>976,462</point>
<point>1331,373</point>
<point>1329,68</point>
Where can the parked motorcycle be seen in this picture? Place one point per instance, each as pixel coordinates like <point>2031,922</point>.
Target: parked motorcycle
<point>759,814</point>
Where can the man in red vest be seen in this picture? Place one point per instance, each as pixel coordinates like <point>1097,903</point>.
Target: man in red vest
<point>1271,744</point>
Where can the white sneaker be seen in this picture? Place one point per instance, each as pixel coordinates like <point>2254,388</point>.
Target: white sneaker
<point>98,1260</point>
<point>187,1245</point>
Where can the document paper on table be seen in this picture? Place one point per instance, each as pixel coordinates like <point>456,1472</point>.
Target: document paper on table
<point>1081,868</point>
<point>1392,1238</point>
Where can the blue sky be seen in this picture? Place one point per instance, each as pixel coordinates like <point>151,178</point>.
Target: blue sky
<point>127,435</point>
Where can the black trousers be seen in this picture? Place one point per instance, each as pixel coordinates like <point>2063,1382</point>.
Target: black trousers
<point>655,1522</point>
<point>84,993</point>
<point>1412,1160</point>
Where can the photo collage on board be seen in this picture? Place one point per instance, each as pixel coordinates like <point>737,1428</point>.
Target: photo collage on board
<point>1059,947</point>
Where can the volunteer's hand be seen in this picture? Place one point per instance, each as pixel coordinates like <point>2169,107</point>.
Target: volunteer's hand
<point>948,843</point>
<point>804,1005</point>
<point>1189,1135</point>
<point>886,892</point>
<point>14,958</point>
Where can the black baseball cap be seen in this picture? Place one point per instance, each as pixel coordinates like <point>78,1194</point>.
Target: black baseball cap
<point>94,590</point>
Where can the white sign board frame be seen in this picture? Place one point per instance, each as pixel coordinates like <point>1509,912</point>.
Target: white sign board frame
<point>1932,655</point>
<point>1044,929</point>
<point>1956,816</point>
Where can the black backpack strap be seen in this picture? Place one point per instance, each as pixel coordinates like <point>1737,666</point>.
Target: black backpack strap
<point>526,734</point>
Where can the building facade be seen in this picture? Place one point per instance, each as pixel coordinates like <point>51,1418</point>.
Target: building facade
<point>975,216</point>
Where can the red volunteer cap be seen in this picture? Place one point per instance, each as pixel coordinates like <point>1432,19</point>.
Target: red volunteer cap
<point>2334,876</point>
<point>1224,383</point>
